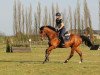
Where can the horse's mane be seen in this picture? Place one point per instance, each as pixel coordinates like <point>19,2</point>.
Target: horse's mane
<point>50,27</point>
<point>42,28</point>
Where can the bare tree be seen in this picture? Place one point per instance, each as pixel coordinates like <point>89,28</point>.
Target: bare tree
<point>15,18</point>
<point>57,8</point>
<point>26,22</point>
<point>37,19</point>
<point>88,22</point>
<point>36,27</point>
<point>30,20</point>
<point>78,17</point>
<point>86,14</point>
<point>49,21</point>
<point>35,24</point>
<point>53,15</point>
<point>75,22</point>
<point>91,30</point>
<point>99,14</point>
<point>19,17</point>
<point>65,18</point>
<point>39,14</point>
<point>70,19</point>
<point>45,20</point>
<point>82,25</point>
<point>23,21</point>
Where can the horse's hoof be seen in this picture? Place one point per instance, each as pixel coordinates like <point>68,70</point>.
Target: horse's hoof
<point>44,62</point>
<point>66,61</point>
<point>47,59</point>
<point>80,62</point>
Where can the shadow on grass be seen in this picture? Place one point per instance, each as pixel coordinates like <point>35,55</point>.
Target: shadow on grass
<point>35,62</point>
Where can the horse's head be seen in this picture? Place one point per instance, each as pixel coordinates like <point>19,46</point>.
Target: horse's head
<point>47,30</point>
<point>42,32</point>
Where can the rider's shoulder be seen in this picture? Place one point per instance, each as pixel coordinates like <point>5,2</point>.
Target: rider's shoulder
<point>61,20</point>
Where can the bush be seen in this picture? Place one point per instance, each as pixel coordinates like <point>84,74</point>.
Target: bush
<point>8,46</point>
<point>20,45</point>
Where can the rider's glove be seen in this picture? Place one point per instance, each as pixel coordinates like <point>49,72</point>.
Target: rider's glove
<point>58,30</point>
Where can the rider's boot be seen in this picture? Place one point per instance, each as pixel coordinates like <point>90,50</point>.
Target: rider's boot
<point>62,41</point>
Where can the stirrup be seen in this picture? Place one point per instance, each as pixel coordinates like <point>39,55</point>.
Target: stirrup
<point>63,44</point>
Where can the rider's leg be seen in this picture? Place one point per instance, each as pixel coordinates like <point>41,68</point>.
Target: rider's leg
<point>62,35</point>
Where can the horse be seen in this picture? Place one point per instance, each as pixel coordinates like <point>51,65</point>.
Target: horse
<point>74,42</point>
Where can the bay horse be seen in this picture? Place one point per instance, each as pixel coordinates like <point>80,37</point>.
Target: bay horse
<point>74,42</point>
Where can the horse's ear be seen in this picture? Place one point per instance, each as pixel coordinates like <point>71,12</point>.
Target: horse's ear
<point>41,28</point>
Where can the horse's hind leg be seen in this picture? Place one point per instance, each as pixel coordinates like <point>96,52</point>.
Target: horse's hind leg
<point>70,56</point>
<point>47,53</point>
<point>80,54</point>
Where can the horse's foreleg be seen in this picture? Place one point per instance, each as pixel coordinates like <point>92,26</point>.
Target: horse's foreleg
<point>80,54</point>
<point>70,56</point>
<point>47,53</point>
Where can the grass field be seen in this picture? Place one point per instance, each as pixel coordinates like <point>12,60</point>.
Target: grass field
<point>31,63</point>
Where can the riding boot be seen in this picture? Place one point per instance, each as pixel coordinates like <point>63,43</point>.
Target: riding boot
<point>62,41</point>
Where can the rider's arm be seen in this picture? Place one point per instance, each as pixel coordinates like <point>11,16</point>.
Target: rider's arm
<point>62,25</point>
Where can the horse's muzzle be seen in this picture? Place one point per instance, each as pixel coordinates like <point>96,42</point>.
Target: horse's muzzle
<point>41,38</point>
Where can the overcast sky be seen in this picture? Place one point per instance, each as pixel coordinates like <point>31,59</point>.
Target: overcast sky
<point>6,11</point>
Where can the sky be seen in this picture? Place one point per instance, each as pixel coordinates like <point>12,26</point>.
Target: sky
<point>6,11</point>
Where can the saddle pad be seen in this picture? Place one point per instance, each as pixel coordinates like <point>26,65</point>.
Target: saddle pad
<point>66,38</point>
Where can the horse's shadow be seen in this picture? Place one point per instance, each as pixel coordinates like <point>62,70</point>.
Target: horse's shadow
<point>27,61</point>
<point>19,61</point>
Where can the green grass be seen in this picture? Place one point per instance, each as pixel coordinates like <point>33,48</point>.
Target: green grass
<point>31,63</point>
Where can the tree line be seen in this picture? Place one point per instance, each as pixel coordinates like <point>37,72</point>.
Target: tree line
<point>26,24</point>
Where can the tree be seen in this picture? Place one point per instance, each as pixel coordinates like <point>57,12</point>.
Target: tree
<point>70,19</point>
<point>49,21</point>
<point>53,15</point>
<point>57,8</point>
<point>15,18</point>
<point>75,22</point>
<point>82,25</point>
<point>45,19</point>
<point>26,22</point>
<point>37,19</point>
<point>22,21</point>
<point>35,24</point>
<point>78,17</point>
<point>39,14</point>
<point>19,17</point>
<point>88,22</point>
<point>65,18</point>
<point>99,15</point>
<point>30,20</point>
<point>85,14</point>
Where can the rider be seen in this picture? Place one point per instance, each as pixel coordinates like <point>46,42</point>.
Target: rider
<point>60,27</point>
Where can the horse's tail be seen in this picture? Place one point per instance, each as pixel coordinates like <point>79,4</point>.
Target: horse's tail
<point>87,41</point>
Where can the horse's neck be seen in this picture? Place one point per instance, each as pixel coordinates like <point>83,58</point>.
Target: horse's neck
<point>51,34</point>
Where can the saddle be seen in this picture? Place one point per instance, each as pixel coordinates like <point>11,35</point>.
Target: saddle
<point>66,36</point>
